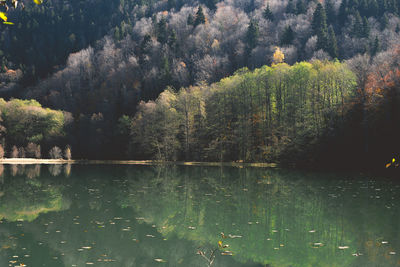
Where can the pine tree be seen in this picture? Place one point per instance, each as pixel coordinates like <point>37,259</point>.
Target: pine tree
<point>300,7</point>
<point>190,20</point>
<point>330,12</point>
<point>332,43</point>
<point>162,35</point>
<point>375,47</point>
<point>252,35</point>
<point>200,17</point>
<point>320,27</point>
<point>211,4</point>
<point>343,13</point>
<point>267,14</point>
<point>357,30</point>
<point>319,20</point>
<point>287,36</point>
<point>384,22</point>
<point>365,28</point>
<point>290,8</point>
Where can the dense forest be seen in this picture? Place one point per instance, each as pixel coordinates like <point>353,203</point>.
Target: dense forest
<point>197,80</point>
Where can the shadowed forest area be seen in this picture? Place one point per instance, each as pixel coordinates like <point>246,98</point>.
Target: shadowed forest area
<point>296,82</point>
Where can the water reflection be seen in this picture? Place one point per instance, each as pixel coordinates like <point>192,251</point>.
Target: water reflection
<point>145,216</point>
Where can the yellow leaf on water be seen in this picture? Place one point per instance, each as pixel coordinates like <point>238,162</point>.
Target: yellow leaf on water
<point>388,165</point>
<point>38,2</point>
<point>3,16</point>
<point>393,160</point>
<point>220,244</point>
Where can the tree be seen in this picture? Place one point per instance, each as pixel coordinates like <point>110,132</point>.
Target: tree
<point>332,44</point>
<point>55,153</point>
<point>1,151</point>
<point>376,46</point>
<point>330,12</point>
<point>67,153</point>
<point>14,152</point>
<point>162,35</point>
<point>290,8</point>
<point>21,152</point>
<point>252,36</point>
<point>200,17</point>
<point>287,36</point>
<point>33,150</point>
<point>320,27</point>
<point>278,56</point>
<point>267,14</point>
<point>365,28</point>
<point>190,20</point>
<point>300,7</point>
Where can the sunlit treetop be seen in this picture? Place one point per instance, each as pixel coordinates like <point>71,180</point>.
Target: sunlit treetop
<point>5,5</point>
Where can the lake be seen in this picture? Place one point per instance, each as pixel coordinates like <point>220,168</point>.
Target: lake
<point>126,215</point>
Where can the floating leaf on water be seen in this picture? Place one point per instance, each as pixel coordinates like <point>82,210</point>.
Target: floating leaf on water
<point>89,263</point>
<point>150,235</point>
<point>318,244</point>
<point>384,242</point>
<point>392,253</point>
<point>234,236</point>
<point>312,231</point>
<point>160,260</point>
<point>343,247</point>
<point>192,227</point>
<point>226,253</point>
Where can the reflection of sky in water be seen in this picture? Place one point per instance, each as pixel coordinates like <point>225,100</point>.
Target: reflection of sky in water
<point>56,215</point>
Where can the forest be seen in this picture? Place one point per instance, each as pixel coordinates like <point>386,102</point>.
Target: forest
<point>296,82</point>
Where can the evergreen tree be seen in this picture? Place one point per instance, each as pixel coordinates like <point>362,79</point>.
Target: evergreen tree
<point>373,9</point>
<point>319,20</point>
<point>376,47</point>
<point>384,22</point>
<point>300,7</point>
<point>290,8</point>
<point>200,17</point>
<point>365,28</point>
<point>162,35</point>
<point>320,27</point>
<point>357,30</point>
<point>343,13</point>
<point>267,14</point>
<point>332,43</point>
<point>252,35</point>
<point>190,20</point>
<point>172,39</point>
<point>211,4</point>
<point>330,12</point>
<point>287,36</point>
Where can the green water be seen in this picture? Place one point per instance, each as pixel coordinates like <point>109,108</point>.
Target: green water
<point>146,216</point>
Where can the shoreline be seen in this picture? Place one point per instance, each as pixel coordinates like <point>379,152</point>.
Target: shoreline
<point>27,161</point>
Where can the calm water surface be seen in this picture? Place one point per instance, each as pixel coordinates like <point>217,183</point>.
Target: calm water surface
<point>146,216</point>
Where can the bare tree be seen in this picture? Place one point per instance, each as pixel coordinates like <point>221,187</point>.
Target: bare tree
<point>67,153</point>
<point>55,153</point>
<point>14,152</point>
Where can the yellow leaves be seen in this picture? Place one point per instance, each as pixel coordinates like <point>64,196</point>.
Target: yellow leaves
<point>220,244</point>
<point>278,56</point>
<point>3,16</point>
<point>38,2</point>
<point>392,163</point>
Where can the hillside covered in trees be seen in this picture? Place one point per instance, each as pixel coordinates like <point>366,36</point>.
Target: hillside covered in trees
<point>106,64</point>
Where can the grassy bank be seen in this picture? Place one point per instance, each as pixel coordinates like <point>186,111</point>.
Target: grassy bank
<point>131,162</point>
